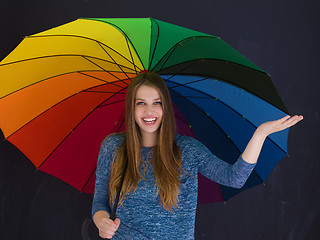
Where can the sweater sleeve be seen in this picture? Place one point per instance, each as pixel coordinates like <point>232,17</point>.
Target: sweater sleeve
<point>231,175</point>
<point>101,196</point>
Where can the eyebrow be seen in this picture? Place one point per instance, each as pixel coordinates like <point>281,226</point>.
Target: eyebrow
<point>141,99</point>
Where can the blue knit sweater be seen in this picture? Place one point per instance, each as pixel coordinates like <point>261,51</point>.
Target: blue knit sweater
<point>142,216</point>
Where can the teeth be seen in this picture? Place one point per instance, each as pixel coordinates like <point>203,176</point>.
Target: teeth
<point>149,120</point>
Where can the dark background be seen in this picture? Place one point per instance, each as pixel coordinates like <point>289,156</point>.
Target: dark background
<point>279,36</point>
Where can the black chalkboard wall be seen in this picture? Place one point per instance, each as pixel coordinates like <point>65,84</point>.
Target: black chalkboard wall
<point>282,37</point>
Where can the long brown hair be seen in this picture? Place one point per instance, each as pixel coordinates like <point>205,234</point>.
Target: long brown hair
<point>166,156</point>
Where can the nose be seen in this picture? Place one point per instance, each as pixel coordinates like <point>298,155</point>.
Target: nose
<point>149,109</point>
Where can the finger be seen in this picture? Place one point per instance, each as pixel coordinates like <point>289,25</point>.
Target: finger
<point>117,223</point>
<point>300,117</point>
<point>285,118</point>
<point>109,224</point>
<point>293,120</point>
<point>107,234</point>
<point>296,120</point>
<point>108,229</point>
<point>107,220</point>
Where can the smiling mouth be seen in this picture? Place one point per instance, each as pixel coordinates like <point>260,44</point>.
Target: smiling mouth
<point>149,120</point>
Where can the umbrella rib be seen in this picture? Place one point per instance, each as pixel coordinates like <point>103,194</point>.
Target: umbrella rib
<point>182,119</point>
<point>155,46</point>
<point>178,73</point>
<point>170,53</point>
<point>121,125</point>
<point>195,81</point>
<point>255,171</point>
<point>96,167</point>
<point>215,59</point>
<point>131,52</point>
<point>211,97</point>
<point>196,97</point>
<point>103,105</point>
<point>59,55</point>
<point>47,56</point>
<point>100,92</point>
<point>77,126</point>
<point>174,47</point>
<point>185,84</point>
<point>105,80</point>
<point>88,179</point>
<point>186,122</point>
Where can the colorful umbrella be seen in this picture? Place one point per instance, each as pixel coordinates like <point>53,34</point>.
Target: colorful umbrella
<point>62,91</point>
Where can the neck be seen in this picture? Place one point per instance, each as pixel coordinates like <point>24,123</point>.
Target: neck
<point>149,140</point>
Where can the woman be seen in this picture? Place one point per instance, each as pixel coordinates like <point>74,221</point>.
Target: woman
<point>159,193</point>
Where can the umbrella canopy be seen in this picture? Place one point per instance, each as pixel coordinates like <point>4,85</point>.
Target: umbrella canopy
<point>62,92</point>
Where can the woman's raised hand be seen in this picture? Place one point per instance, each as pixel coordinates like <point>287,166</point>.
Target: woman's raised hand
<point>278,125</point>
<point>252,151</point>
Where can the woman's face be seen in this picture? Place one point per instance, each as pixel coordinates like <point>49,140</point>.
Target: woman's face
<point>148,110</point>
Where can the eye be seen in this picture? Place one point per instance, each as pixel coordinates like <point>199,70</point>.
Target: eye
<point>158,103</point>
<point>140,103</point>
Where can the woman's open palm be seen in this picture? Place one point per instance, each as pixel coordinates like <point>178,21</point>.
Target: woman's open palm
<point>280,124</point>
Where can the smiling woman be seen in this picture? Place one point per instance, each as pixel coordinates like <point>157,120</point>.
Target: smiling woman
<point>149,106</point>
